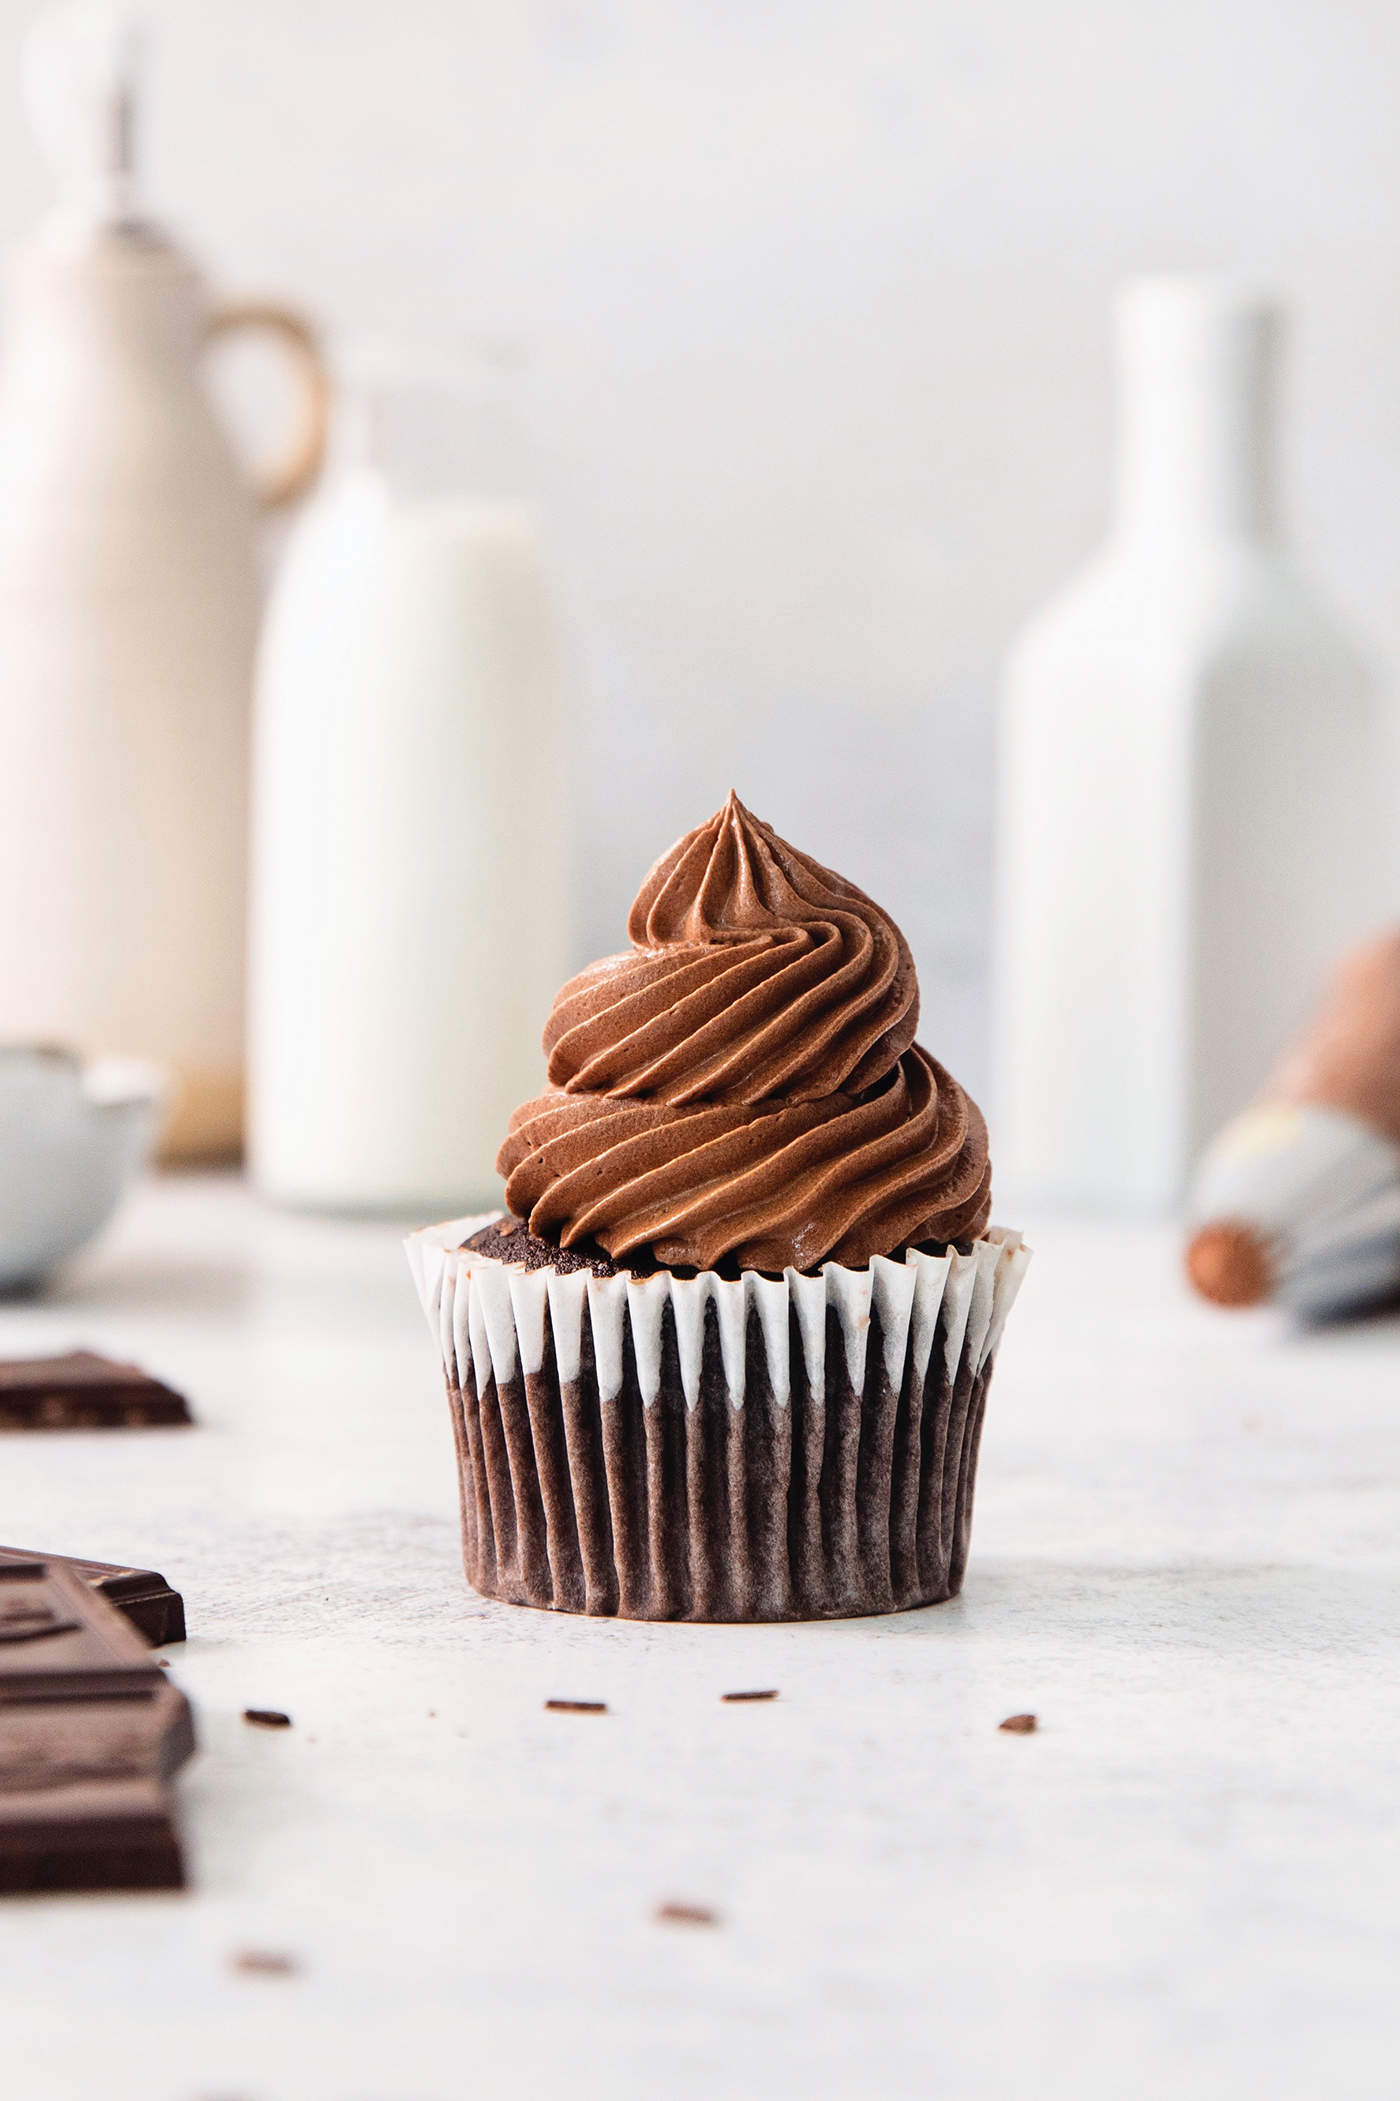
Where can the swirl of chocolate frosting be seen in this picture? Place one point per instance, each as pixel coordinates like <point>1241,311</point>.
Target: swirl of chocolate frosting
<point>744,1081</point>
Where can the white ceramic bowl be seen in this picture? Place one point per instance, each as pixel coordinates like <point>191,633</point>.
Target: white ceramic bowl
<point>71,1138</point>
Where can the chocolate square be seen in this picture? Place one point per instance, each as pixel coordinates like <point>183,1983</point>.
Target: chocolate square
<point>83,1391</point>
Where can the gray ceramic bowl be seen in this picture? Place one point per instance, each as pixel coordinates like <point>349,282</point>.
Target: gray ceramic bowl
<point>71,1138</point>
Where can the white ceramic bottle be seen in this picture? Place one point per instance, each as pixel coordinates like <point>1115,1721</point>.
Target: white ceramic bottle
<point>410,912</point>
<point>1195,785</point>
<point>127,617</point>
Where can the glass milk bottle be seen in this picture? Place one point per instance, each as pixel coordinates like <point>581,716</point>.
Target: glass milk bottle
<point>409,901</point>
<point>1195,785</point>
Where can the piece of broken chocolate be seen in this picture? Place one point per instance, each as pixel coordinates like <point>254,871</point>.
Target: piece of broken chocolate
<point>90,1735</point>
<point>142,1595</point>
<point>82,1391</point>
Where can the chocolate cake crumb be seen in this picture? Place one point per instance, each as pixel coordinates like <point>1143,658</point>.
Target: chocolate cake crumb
<point>770,1693</point>
<point>686,1915</point>
<point>1018,1724</point>
<point>510,1240</point>
<point>577,1706</point>
<point>267,1717</point>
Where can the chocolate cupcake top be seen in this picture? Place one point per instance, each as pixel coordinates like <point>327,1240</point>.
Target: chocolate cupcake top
<point>744,1081</point>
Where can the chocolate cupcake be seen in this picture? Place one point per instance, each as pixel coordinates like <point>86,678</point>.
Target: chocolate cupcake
<point>725,1356</point>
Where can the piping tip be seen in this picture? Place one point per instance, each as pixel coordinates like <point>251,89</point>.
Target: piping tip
<point>1230,1265</point>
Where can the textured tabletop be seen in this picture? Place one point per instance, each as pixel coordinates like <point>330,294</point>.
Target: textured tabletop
<point>1185,1881</point>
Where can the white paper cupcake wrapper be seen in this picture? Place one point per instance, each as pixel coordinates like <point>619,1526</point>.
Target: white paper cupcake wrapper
<point>1322,1188</point>
<point>714,1448</point>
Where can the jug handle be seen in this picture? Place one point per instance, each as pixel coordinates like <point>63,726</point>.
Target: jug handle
<point>286,478</point>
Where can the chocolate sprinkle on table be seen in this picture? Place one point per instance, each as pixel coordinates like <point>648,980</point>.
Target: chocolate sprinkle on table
<point>577,1706</point>
<point>264,1962</point>
<point>770,1693</point>
<point>267,1717</point>
<point>686,1915</point>
<point>1018,1724</point>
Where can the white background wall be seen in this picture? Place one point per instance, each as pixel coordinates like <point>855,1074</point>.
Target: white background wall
<point>816,303</point>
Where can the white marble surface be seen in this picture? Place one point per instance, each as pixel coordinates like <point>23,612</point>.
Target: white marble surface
<point>1184,1561</point>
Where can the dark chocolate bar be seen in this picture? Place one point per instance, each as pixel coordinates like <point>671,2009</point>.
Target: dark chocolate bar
<point>82,1391</point>
<point>91,1732</point>
<point>145,1598</point>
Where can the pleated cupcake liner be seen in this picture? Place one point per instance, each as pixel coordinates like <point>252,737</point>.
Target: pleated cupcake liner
<point>706,1448</point>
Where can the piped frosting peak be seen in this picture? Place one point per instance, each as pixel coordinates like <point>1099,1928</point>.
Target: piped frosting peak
<point>754,973</point>
<point>744,1080</point>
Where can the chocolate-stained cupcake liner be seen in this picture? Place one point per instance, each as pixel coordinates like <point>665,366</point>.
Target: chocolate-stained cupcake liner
<point>704,1448</point>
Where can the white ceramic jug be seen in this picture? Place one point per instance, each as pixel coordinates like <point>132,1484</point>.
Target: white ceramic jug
<point>128,615</point>
<point>1196,786</point>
